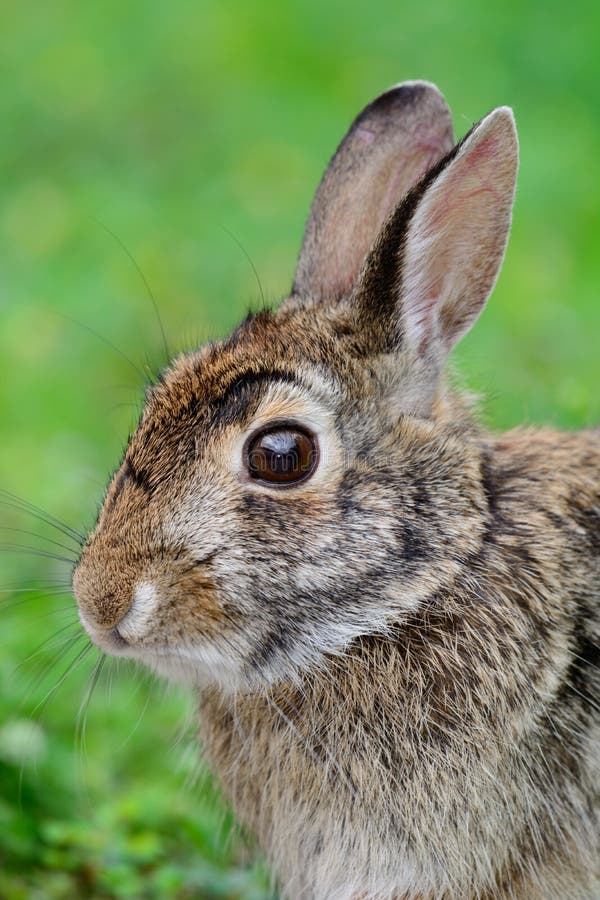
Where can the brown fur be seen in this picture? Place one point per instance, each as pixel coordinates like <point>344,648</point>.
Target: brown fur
<point>442,722</point>
<point>396,658</point>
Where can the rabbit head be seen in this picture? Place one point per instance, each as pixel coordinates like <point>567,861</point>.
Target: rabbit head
<point>311,478</point>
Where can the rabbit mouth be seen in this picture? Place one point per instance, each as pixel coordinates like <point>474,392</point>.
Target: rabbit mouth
<point>198,656</point>
<point>200,662</point>
<point>109,640</point>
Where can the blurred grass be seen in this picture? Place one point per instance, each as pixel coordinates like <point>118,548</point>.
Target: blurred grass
<point>172,125</point>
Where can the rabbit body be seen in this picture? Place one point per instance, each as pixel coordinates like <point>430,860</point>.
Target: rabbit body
<point>454,757</point>
<point>391,616</point>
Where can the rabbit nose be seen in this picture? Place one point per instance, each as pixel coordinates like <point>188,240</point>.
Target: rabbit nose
<point>103,593</point>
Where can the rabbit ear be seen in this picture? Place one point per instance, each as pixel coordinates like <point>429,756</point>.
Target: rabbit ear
<point>388,148</point>
<point>438,257</point>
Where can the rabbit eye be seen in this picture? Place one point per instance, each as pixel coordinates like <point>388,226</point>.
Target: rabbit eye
<point>281,455</point>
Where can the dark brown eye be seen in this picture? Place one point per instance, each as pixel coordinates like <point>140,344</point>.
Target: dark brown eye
<point>281,455</point>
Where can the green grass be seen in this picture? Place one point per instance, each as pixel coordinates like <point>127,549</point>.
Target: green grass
<point>172,125</point>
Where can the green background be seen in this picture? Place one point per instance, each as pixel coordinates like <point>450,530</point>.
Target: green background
<point>183,129</point>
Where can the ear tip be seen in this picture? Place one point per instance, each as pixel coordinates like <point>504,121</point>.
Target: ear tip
<point>421,94</point>
<point>417,86</point>
<point>501,128</point>
<point>506,114</point>
<point>501,119</point>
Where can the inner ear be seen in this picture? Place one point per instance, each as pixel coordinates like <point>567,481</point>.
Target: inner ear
<point>389,147</point>
<point>455,241</point>
<point>437,258</point>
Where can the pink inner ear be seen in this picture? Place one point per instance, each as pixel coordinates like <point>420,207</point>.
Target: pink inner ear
<point>486,148</point>
<point>456,239</point>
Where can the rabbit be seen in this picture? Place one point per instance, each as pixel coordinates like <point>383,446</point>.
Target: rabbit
<point>388,613</point>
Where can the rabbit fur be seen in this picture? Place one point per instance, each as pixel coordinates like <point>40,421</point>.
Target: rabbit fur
<point>396,658</point>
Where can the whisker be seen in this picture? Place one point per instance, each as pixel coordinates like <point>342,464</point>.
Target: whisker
<point>29,512</point>
<point>249,258</point>
<point>25,505</point>
<point>51,587</point>
<point>10,604</point>
<point>138,722</point>
<point>70,668</point>
<point>111,670</point>
<point>59,613</point>
<point>41,706</point>
<point>49,641</point>
<point>32,551</point>
<point>140,272</point>
<point>42,537</point>
<point>109,344</point>
<point>81,721</point>
<point>45,668</point>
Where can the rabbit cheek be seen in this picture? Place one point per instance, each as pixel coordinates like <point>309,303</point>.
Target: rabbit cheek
<point>177,607</point>
<point>194,609</point>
